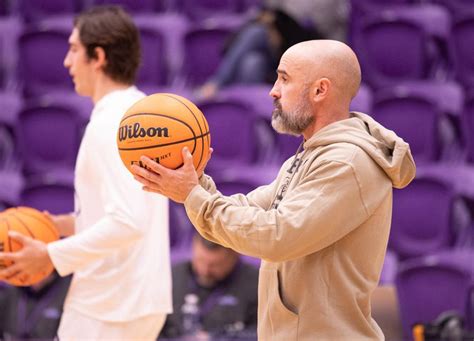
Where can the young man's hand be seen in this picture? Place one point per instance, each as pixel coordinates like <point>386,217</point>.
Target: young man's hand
<point>30,260</point>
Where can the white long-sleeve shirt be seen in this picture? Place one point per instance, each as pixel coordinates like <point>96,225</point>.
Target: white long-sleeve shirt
<point>120,252</point>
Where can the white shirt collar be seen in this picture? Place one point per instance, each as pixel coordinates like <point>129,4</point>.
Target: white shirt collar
<point>109,98</point>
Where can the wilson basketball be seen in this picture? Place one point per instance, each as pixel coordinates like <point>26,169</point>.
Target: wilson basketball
<point>159,126</point>
<point>31,223</point>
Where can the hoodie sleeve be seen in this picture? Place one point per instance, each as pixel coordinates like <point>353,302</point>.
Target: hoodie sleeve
<point>325,206</point>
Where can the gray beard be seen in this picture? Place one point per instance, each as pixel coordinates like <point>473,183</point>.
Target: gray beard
<point>293,123</point>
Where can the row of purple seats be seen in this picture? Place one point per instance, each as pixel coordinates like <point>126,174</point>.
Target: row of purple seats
<point>426,217</point>
<point>430,116</point>
<point>32,55</point>
<point>435,118</point>
<point>362,7</point>
<point>407,41</point>
<point>196,10</point>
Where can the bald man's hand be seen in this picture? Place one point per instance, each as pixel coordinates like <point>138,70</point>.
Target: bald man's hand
<point>174,184</point>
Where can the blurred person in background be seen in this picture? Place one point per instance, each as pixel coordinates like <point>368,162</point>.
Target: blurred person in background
<point>329,17</point>
<point>219,289</point>
<point>118,244</point>
<point>252,54</point>
<point>33,312</point>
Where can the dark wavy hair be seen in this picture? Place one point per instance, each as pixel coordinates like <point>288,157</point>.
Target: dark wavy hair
<point>112,29</point>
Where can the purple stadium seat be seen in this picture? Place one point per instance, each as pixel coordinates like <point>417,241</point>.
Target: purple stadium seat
<point>468,124</point>
<point>457,7</point>
<point>360,9</point>
<point>389,270</point>
<point>53,192</point>
<point>257,97</point>
<point>44,145</point>
<point>4,7</point>
<point>362,102</point>
<point>41,9</point>
<point>162,48</point>
<point>233,134</point>
<point>274,147</point>
<point>10,28</point>
<point>434,284</point>
<point>181,229</point>
<point>198,66</point>
<point>462,36</point>
<point>460,178</point>
<point>11,105</point>
<point>422,216</point>
<point>204,9</point>
<point>42,49</point>
<point>153,70</point>
<point>425,114</point>
<point>11,183</point>
<point>244,179</point>
<point>287,145</point>
<point>406,43</point>
<point>134,6</point>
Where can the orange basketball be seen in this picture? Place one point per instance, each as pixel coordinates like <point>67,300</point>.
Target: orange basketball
<point>31,223</point>
<point>159,126</point>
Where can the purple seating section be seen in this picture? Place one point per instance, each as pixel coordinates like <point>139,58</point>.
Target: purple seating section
<point>433,284</point>
<point>418,73</point>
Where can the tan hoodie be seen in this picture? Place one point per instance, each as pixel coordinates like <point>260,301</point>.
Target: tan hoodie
<point>322,241</point>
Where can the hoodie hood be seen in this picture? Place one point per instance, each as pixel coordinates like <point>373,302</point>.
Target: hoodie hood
<point>389,151</point>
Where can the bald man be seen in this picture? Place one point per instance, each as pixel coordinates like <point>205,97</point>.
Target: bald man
<point>321,228</point>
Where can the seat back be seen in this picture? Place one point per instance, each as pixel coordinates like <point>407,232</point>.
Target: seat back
<point>403,43</point>
<point>48,136</point>
<point>429,286</point>
<point>53,193</point>
<point>462,37</point>
<point>468,124</point>
<point>197,66</point>
<point>233,134</point>
<point>42,50</point>
<point>413,117</point>
<point>40,9</point>
<point>421,220</point>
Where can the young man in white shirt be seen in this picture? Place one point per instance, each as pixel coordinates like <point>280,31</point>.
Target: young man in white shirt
<point>118,248</point>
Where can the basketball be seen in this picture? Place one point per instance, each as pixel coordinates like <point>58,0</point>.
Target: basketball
<point>159,126</point>
<point>31,223</point>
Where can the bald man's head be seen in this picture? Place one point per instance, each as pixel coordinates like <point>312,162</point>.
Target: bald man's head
<point>330,59</point>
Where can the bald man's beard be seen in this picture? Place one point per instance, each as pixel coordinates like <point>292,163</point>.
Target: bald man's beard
<point>295,122</point>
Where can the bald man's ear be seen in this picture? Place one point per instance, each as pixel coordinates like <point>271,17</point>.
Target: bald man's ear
<point>321,89</point>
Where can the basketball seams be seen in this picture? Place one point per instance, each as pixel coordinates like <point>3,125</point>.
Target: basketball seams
<point>50,227</point>
<point>24,225</point>
<point>166,144</point>
<point>197,121</point>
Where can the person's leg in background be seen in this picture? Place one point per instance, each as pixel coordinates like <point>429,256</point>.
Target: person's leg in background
<point>253,39</point>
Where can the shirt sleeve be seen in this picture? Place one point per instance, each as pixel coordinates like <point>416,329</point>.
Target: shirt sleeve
<point>325,206</point>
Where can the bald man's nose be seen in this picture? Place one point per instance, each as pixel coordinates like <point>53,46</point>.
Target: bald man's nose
<point>274,92</point>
